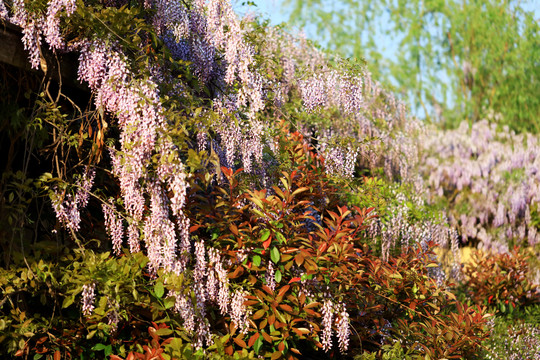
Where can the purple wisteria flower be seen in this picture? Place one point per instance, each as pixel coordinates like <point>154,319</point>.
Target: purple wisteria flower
<point>88,295</point>
<point>327,322</point>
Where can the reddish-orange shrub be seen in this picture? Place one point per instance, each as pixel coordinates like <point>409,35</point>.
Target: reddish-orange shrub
<point>499,280</point>
<point>404,301</point>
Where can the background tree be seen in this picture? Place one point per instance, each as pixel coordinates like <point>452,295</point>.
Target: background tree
<point>453,60</point>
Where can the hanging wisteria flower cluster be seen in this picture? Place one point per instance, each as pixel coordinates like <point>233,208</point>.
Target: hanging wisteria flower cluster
<point>36,25</point>
<point>68,206</point>
<point>498,169</point>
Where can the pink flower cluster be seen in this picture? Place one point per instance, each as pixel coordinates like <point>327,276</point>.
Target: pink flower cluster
<point>210,286</point>
<point>4,14</point>
<point>239,139</point>
<point>495,176</point>
<point>51,29</point>
<point>88,295</point>
<point>113,224</point>
<point>159,232</point>
<point>327,322</point>
<point>331,88</point>
<point>239,312</point>
<point>136,105</point>
<point>340,159</point>
<point>343,328</point>
<point>67,207</point>
<point>209,27</point>
<point>35,25</point>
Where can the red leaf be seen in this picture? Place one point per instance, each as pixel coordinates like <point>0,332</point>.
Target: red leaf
<point>240,342</point>
<point>286,307</point>
<point>252,339</point>
<point>294,279</point>
<point>323,247</point>
<point>283,290</point>
<point>226,171</point>
<point>267,337</point>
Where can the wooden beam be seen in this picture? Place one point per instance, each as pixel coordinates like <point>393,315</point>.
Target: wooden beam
<point>12,52</point>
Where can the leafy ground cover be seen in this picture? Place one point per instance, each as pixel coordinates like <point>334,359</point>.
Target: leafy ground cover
<point>223,189</point>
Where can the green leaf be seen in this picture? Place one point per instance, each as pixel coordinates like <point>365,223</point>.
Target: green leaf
<point>265,234</point>
<point>280,237</point>
<point>257,260</point>
<point>108,350</point>
<point>275,255</point>
<point>258,344</point>
<point>164,332</point>
<point>277,276</point>
<point>159,290</point>
<point>67,301</point>
<point>169,302</point>
<point>99,347</point>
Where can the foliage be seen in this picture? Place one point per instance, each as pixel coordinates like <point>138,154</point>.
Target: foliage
<point>426,318</point>
<point>513,340</point>
<point>448,62</point>
<point>499,280</point>
<point>212,188</point>
<point>389,352</point>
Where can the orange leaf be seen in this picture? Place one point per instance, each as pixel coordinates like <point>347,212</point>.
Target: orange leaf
<point>266,244</point>
<point>252,339</point>
<point>294,279</point>
<point>237,272</point>
<point>226,171</point>
<point>240,342</point>
<point>268,290</point>
<point>258,314</point>
<point>283,290</point>
<point>233,229</point>
<point>323,247</point>
<point>286,307</point>
<point>272,319</point>
<point>267,337</point>
<point>299,259</point>
<point>313,304</point>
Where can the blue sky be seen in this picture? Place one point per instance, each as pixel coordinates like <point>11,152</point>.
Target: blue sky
<point>276,13</point>
<point>273,9</point>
